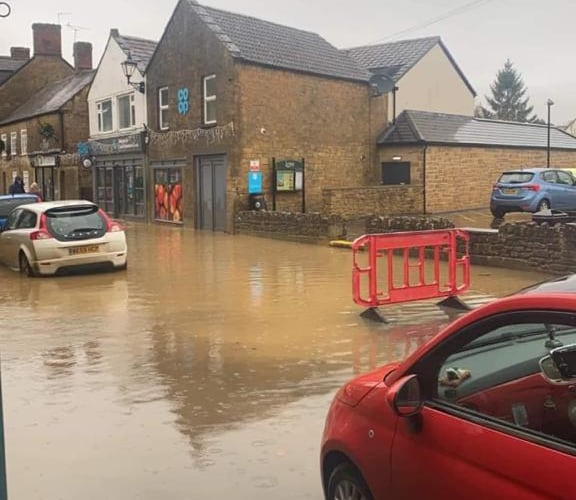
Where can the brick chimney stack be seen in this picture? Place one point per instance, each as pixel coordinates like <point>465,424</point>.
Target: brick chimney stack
<point>20,53</point>
<point>47,39</point>
<point>82,55</point>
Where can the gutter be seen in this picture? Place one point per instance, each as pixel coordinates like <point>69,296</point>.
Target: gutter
<point>424,177</point>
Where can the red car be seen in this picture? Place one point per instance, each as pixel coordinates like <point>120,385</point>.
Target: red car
<point>485,409</point>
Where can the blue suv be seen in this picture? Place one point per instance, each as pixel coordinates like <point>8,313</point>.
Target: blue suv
<point>533,190</point>
<point>9,202</point>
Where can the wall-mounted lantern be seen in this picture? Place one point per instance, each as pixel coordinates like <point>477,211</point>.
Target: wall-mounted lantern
<point>129,67</point>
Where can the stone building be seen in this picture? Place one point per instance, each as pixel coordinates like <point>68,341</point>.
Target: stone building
<point>43,115</point>
<point>231,96</point>
<point>118,120</point>
<point>433,162</point>
<point>18,57</point>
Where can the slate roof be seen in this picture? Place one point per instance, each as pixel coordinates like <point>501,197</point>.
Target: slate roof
<point>8,66</point>
<point>271,44</point>
<point>437,128</point>
<point>52,97</point>
<point>140,49</point>
<point>395,59</point>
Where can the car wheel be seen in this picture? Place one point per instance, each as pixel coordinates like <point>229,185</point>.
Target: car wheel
<point>543,205</point>
<point>346,483</point>
<point>25,267</point>
<point>498,213</point>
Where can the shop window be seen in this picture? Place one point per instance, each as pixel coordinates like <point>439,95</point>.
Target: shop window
<point>126,111</point>
<point>163,108</point>
<point>13,143</point>
<point>395,173</point>
<point>210,99</point>
<point>23,142</point>
<point>168,194</point>
<point>104,109</point>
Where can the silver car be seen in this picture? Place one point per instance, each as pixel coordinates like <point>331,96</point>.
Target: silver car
<point>53,237</point>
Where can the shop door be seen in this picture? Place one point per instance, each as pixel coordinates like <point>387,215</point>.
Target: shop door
<point>212,193</point>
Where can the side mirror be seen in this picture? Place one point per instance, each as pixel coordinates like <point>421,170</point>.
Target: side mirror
<point>404,396</point>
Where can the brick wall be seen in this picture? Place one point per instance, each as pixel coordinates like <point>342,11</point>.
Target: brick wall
<point>389,200</point>
<point>462,178</point>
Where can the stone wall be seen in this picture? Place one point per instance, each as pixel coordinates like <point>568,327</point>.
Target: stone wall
<point>392,200</point>
<point>529,246</point>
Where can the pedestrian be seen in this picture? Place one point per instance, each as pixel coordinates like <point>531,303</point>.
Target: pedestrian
<point>35,189</point>
<point>17,187</point>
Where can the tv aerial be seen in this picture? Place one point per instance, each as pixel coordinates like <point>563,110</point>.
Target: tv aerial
<point>75,29</point>
<point>5,9</point>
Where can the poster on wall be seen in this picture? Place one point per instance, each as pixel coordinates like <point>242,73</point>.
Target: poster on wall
<point>285,180</point>
<point>168,195</point>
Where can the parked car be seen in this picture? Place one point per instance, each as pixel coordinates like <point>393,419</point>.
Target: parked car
<point>52,237</point>
<point>485,409</point>
<point>9,202</point>
<point>533,190</point>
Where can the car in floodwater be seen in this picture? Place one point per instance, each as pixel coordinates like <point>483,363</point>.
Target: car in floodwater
<point>9,202</point>
<point>533,190</point>
<point>53,237</point>
<point>484,409</point>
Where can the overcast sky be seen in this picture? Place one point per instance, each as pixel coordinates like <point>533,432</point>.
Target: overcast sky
<point>539,37</point>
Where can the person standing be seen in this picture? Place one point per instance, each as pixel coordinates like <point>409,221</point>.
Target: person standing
<point>35,189</point>
<point>17,187</point>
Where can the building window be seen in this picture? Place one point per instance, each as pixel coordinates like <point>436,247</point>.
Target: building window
<point>126,111</point>
<point>168,194</point>
<point>23,142</point>
<point>163,108</point>
<point>4,139</point>
<point>104,115</point>
<point>13,143</point>
<point>396,173</point>
<point>210,99</point>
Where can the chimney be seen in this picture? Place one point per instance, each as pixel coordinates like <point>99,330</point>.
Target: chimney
<point>114,33</point>
<point>82,55</point>
<point>20,53</point>
<point>47,39</point>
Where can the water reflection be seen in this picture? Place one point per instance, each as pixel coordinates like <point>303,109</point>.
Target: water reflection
<point>213,356</point>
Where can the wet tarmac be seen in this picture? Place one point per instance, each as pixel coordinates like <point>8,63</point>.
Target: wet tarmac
<point>204,371</point>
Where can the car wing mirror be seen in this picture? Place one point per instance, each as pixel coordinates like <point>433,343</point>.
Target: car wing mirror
<point>560,364</point>
<point>404,396</point>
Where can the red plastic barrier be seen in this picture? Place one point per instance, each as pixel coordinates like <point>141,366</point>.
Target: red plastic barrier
<point>421,253</point>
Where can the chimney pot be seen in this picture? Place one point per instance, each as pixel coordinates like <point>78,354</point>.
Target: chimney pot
<point>47,39</point>
<point>20,53</point>
<point>82,55</point>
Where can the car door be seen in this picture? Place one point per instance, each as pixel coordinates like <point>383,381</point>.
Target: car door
<point>566,182</point>
<point>551,189</point>
<point>500,430</point>
<point>8,238</point>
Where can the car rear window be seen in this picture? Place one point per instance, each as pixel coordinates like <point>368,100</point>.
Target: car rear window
<point>516,177</point>
<point>75,223</point>
<point>7,205</point>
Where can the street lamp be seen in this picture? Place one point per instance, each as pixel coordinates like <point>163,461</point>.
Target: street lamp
<point>549,103</point>
<point>129,67</point>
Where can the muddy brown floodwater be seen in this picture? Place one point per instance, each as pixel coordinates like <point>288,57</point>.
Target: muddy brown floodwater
<point>204,371</point>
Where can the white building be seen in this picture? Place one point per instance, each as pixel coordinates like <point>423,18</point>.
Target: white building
<point>117,123</point>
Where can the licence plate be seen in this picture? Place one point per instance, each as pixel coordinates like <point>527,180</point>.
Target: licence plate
<point>509,191</point>
<point>83,250</point>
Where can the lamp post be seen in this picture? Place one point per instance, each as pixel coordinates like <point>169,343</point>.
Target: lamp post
<point>549,103</point>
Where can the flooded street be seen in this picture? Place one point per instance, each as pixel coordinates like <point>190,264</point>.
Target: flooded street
<point>204,371</point>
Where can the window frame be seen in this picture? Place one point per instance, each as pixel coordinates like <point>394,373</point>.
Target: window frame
<point>131,110</point>
<point>100,115</point>
<point>386,166</point>
<point>23,141</point>
<point>13,143</point>
<point>429,366</point>
<point>4,139</point>
<point>163,107</point>
<point>208,99</point>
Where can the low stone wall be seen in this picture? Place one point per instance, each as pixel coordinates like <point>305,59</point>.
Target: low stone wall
<point>529,245</point>
<point>393,200</point>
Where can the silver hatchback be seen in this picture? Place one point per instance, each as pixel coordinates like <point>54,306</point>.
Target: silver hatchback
<point>52,237</point>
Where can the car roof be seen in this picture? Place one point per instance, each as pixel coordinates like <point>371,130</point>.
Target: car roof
<point>562,284</point>
<point>43,206</point>
<point>17,196</point>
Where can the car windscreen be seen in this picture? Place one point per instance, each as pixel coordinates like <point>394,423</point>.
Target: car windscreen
<point>516,177</point>
<point>9,204</point>
<point>75,223</point>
